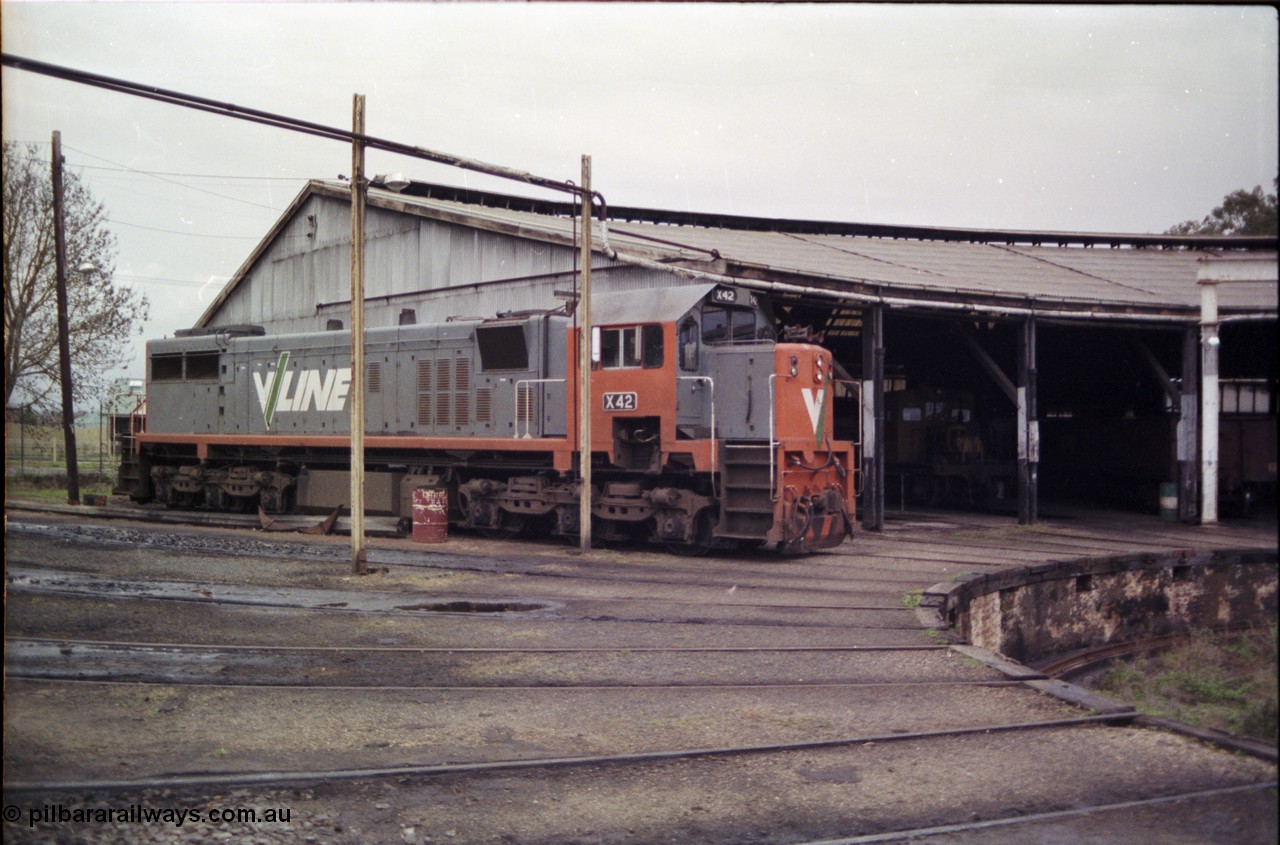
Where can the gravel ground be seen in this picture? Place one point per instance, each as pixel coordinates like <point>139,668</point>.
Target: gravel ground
<point>613,600</point>
<point>776,798</point>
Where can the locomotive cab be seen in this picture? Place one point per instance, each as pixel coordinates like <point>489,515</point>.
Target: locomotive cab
<point>691,390</point>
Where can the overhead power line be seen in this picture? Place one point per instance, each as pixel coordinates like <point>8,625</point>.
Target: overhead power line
<point>292,124</point>
<point>217,176</point>
<point>122,168</point>
<point>162,178</point>
<point>127,169</point>
<point>160,280</point>
<point>191,234</point>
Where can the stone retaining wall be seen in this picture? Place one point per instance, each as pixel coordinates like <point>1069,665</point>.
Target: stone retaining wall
<point>1031,613</point>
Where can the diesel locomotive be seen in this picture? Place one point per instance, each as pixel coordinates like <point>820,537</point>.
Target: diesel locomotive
<point>707,430</point>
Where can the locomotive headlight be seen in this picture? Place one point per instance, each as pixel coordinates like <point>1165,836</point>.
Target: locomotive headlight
<point>795,366</point>
<point>818,373</point>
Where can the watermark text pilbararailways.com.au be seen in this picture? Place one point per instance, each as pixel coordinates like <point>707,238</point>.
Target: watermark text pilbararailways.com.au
<point>143,814</point>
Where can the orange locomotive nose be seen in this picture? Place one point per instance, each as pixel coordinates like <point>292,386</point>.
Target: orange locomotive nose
<point>816,480</point>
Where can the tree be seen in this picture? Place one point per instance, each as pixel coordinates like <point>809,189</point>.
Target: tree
<point>1241,213</point>
<point>101,315</point>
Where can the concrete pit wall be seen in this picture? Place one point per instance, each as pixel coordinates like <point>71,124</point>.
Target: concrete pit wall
<point>1033,613</point>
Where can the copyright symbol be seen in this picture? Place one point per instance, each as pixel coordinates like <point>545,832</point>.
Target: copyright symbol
<point>12,813</point>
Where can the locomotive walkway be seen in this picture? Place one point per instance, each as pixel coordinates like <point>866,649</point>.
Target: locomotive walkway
<point>485,691</point>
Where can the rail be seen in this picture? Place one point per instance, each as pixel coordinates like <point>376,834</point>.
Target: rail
<point>523,385</point>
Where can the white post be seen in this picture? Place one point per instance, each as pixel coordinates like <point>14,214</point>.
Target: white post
<point>1209,399</point>
<point>1212,271</point>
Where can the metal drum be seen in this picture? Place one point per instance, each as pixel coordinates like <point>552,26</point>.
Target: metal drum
<point>430,515</point>
<point>1169,501</point>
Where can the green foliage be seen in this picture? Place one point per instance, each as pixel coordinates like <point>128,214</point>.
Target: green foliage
<point>1222,681</point>
<point>1241,213</point>
<point>53,488</point>
<point>1208,688</point>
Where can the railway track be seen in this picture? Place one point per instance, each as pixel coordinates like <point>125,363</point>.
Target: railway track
<point>546,699</point>
<point>416,668</point>
<point>277,778</point>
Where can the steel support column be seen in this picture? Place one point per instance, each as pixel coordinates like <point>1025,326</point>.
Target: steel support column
<point>1188,453</point>
<point>1028,426</point>
<point>873,481</point>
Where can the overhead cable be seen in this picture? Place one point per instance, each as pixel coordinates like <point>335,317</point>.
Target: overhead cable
<point>281,121</point>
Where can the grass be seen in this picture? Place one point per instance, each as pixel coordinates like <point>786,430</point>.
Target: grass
<point>1225,681</point>
<point>53,488</point>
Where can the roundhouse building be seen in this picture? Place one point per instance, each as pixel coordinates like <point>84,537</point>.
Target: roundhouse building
<point>983,369</point>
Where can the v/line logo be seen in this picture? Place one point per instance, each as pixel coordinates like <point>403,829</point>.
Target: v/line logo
<point>314,390</point>
<point>815,402</point>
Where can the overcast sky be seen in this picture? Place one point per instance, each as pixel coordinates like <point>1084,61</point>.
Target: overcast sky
<point>1106,118</point>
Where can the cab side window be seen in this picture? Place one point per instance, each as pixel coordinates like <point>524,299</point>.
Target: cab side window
<point>687,340</point>
<point>651,343</point>
<point>715,325</point>
<point>728,325</point>
<point>633,346</point>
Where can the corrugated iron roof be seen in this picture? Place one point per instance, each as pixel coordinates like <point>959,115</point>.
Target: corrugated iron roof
<point>956,268</point>
<point>665,305</point>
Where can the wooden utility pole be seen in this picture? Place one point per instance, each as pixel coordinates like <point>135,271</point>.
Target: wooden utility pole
<point>359,559</point>
<point>64,330</point>
<point>585,405</point>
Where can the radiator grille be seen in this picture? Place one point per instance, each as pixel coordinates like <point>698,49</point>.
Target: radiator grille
<point>484,405</point>
<point>524,405</point>
<point>424,393</point>
<point>444,383</point>
<point>462,388</point>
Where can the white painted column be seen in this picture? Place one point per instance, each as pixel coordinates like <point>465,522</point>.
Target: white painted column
<point>1209,399</point>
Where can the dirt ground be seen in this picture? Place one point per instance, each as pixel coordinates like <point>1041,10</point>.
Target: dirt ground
<point>447,726</point>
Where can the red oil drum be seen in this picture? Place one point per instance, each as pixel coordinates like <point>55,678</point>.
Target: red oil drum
<point>430,515</point>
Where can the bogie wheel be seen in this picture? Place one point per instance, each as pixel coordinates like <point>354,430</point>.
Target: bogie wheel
<point>509,525</point>
<point>702,540</point>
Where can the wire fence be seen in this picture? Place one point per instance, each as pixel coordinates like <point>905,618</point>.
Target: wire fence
<point>40,451</point>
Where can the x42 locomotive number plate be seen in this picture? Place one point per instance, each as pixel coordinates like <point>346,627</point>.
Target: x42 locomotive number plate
<point>620,402</point>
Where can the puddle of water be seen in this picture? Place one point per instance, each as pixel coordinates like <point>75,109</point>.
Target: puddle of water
<point>473,607</point>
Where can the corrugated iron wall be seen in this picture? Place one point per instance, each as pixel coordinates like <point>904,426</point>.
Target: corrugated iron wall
<point>435,268</point>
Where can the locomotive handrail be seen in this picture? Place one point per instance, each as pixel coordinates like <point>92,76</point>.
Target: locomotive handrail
<point>855,387</point>
<point>138,414</point>
<point>519,385</point>
<point>715,444</point>
<point>773,440</point>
